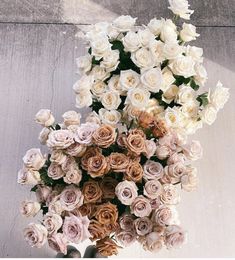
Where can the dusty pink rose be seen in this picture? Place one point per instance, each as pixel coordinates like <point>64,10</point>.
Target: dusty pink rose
<point>30,208</point>
<point>170,194</point>
<point>34,159</point>
<point>152,189</point>
<point>193,150</point>
<point>165,215</point>
<point>150,147</point>
<point>176,171</point>
<point>71,197</point>
<point>141,207</point>
<point>126,191</point>
<point>155,203</point>
<point>174,237</point>
<point>55,206</point>
<point>176,158</point>
<point>76,228</point>
<point>58,242</point>
<point>60,139</point>
<point>76,150</point>
<point>55,172</point>
<point>152,170</point>
<point>42,192</point>
<point>27,176</point>
<point>153,242</point>
<point>143,226</point>
<point>169,140</point>
<point>126,222</point>
<point>84,133</point>
<point>162,152</point>
<point>52,222</point>
<point>125,237</point>
<point>35,235</point>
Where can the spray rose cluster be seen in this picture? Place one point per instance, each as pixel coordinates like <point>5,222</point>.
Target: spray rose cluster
<point>115,176</point>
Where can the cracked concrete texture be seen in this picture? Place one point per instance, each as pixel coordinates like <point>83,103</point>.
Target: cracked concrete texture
<point>37,70</point>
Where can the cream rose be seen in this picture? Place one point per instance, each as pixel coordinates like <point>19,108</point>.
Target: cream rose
<point>98,88</point>
<point>71,118</point>
<point>131,42</point>
<point>129,79</point>
<point>143,226</point>
<point>110,60</point>
<point>111,100</point>
<point>155,26</point>
<point>99,46</point>
<point>152,170</point>
<point>138,97</point>
<point>85,132</point>
<point>109,117</point>
<point>52,222</point>
<point>174,236</point>
<point>34,159</point>
<point>35,235</point>
<point>185,95</point>
<point>170,194</point>
<point>115,85</point>
<point>188,33</point>
<point>156,49</point>
<point>58,242</point>
<point>168,31</point>
<point>152,189</point>
<point>183,66</point>
<point>83,84</point>
<point>60,139</point>
<point>180,8</point>
<point>189,181</point>
<point>172,50</point>
<point>30,208</point>
<point>43,135</point>
<point>84,63</point>
<point>143,58</point>
<point>99,73</point>
<point>93,117</point>
<point>195,52</point>
<point>193,150</point>
<point>168,79</point>
<point>141,207</point>
<point>145,36</point>
<point>44,117</point>
<point>201,75</point>
<point>27,176</point>
<point>126,192</point>
<point>83,98</point>
<point>209,114</point>
<point>153,242</point>
<point>152,79</point>
<point>219,96</point>
<point>124,23</point>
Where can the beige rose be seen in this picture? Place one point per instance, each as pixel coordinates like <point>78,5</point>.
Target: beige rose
<point>28,176</point>
<point>141,207</point>
<point>97,230</point>
<point>97,166</point>
<point>90,152</point>
<point>143,226</point>
<point>35,235</point>
<point>34,159</point>
<point>44,117</point>
<point>118,162</point>
<point>30,208</point>
<point>134,172</point>
<point>135,142</point>
<point>71,118</point>
<point>60,139</point>
<point>58,242</point>
<point>152,189</point>
<point>152,170</point>
<point>43,135</point>
<point>107,247</point>
<point>174,237</point>
<point>107,213</point>
<point>53,222</point>
<point>104,136</point>
<point>91,192</point>
<point>126,192</point>
<point>108,185</point>
<point>55,171</point>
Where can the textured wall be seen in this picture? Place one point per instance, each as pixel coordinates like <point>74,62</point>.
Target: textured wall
<point>38,48</point>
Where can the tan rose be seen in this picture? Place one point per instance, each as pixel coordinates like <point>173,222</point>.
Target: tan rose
<point>146,120</point>
<point>76,150</point>
<point>97,230</point>
<point>108,185</point>
<point>111,228</point>
<point>90,152</point>
<point>135,141</point>
<point>87,209</point>
<point>107,213</point>
<point>134,172</point>
<point>160,128</point>
<point>104,136</point>
<point>91,191</point>
<point>107,247</point>
<point>97,166</point>
<point>118,162</point>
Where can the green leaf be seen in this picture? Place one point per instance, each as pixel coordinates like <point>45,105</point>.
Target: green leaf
<point>34,188</point>
<point>193,85</point>
<point>57,127</point>
<point>164,64</point>
<point>203,99</point>
<point>179,80</point>
<point>96,106</point>
<point>95,62</point>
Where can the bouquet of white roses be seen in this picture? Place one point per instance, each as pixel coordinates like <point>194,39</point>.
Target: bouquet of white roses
<point>115,177</point>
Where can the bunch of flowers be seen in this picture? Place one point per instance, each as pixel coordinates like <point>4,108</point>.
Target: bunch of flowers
<point>114,177</point>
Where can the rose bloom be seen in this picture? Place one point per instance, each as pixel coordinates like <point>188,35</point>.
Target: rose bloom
<point>76,150</point>
<point>71,197</point>
<point>162,152</point>
<point>109,117</point>
<point>141,207</point>
<point>85,132</point>
<point>129,79</point>
<point>143,58</point>
<point>42,193</point>
<point>131,41</point>
<point>107,213</point>
<point>60,139</point>
<point>97,166</point>
<point>152,170</point>
<point>76,229</point>
<point>143,226</point>
<point>84,63</point>
<point>55,171</point>
<point>188,33</point>
<point>118,162</point>
<point>124,23</point>
<point>134,172</point>
<point>125,237</point>
<point>175,158</point>
<point>73,176</point>
<point>150,147</point>
<point>35,235</point>
<point>165,215</point>
<point>71,118</point>
<point>55,206</point>
<point>87,209</point>
<point>28,176</point>
<point>104,136</point>
<point>152,189</point>
<point>180,8</point>
<point>111,100</point>
<point>90,152</point>
<point>126,192</point>
<point>146,120</point>
<point>34,159</point>
<point>152,79</point>
<point>43,135</point>
<point>58,242</point>
<point>193,150</point>
<point>170,194</point>
<point>30,208</point>
<point>155,203</point>
<point>44,117</point>
<point>153,242</point>
<point>174,237</point>
<point>175,171</point>
<point>96,230</point>
<point>53,222</point>
<point>107,247</point>
<point>126,221</point>
<point>57,156</point>
<point>189,181</point>
<point>91,191</point>
<point>108,185</point>
<point>219,96</point>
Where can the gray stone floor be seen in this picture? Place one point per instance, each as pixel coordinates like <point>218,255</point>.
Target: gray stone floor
<point>38,48</point>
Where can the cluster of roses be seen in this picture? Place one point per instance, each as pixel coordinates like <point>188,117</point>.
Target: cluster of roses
<point>115,178</point>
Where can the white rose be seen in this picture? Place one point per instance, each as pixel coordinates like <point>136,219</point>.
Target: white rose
<point>111,100</point>
<point>183,66</point>
<point>172,116</point>
<point>170,94</point>
<point>145,37</point>
<point>83,84</point>
<point>124,23</point>
<point>138,97</point>
<point>189,181</point>
<point>28,176</point>
<point>192,126</point>
<point>99,73</point>
<point>209,114</point>
<point>129,79</point>
<point>44,117</point>
<point>93,117</point>
<point>193,150</point>
<point>190,109</point>
<point>60,139</point>
<point>34,159</point>
<point>110,60</point>
<point>71,118</point>
<point>180,8</point>
<point>84,63</point>
<point>84,133</point>
<point>109,117</point>
<point>201,75</point>
<point>188,33</point>
<point>172,50</point>
<point>168,79</point>
<point>99,46</point>
<point>35,235</point>
<point>115,85</point>
<point>155,26</point>
<point>29,208</point>
<point>185,94</point>
<point>131,112</point>
<point>131,42</point>
<point>143,58</point>
<point>52,222</point>
<point>98,88</point>
<point>168,31</point>
<point>83,99</point>
<point>152,79</point>
<point>219,96</point>
<point>43,135</point>
<point>195,52</point>
<point>156,49</point>
<point>126,192</point>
